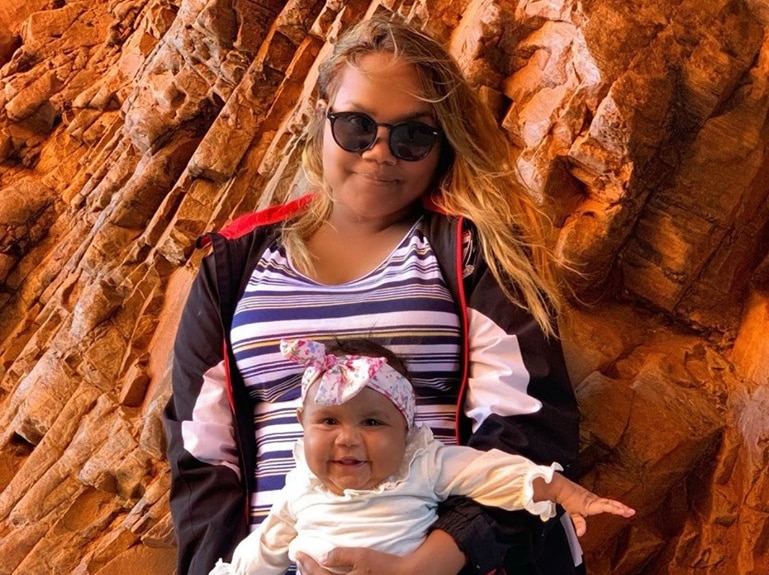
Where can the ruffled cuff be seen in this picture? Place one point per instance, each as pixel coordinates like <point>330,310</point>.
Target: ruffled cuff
<point>545,509</point>
<point>222,568</point>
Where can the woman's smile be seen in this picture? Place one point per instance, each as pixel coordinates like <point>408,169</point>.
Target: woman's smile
<point>377,178</point>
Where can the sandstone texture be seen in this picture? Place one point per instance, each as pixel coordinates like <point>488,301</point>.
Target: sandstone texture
<point>129,127</point>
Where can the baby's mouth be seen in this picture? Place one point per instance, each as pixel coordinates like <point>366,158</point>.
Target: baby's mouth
<point>348,461</point>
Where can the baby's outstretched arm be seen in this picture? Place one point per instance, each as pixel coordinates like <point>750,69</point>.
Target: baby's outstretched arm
<point>577,501</point>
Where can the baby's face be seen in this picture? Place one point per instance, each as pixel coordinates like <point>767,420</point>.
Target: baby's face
<point>356,445</point>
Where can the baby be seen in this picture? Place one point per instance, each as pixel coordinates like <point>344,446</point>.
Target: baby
<point>367,476</point>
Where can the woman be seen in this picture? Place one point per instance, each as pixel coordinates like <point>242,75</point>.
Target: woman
<point>417,237</point>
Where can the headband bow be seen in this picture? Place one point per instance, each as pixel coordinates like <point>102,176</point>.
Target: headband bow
<point>343,377</point>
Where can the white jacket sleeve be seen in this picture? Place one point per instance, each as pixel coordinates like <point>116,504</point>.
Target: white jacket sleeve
<point>499,379</point>
<point>209,435</point>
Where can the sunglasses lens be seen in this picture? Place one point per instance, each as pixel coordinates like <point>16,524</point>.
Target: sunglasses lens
<point>353,132</point>
<point>356,132</point>
<point>412,141</point>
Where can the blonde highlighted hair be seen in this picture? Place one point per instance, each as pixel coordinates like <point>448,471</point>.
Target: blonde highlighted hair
<point>475,177</point>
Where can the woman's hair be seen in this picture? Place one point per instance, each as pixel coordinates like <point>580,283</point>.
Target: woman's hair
<point>475,177</point>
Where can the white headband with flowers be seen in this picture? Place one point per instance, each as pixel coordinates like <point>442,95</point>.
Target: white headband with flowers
<point>343,377</point>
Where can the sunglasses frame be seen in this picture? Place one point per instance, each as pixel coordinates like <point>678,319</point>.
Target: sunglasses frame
<point>435,132</point>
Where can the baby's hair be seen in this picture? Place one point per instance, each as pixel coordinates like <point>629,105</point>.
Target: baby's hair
<point>367,348</point>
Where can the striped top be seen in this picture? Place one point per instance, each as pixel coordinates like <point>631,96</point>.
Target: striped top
<point>403,304</point>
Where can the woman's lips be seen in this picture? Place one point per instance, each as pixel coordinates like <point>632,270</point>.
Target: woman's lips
<point>377,178</point>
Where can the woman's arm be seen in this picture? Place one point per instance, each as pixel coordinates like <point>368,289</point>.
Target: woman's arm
<point>438,555</point>
<point>207,495</point>
<point>519,400</point>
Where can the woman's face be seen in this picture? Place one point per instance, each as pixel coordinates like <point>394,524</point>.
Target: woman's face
<point>374,184</point>
<point>355,445</point>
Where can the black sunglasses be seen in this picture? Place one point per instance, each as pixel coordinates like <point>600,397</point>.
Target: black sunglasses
<point>356,132</point>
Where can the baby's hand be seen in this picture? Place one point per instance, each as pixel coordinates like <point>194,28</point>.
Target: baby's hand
<point>592,504</point>
<point>579,502</point>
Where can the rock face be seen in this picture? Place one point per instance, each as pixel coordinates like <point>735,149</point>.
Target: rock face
<point>128,127</point>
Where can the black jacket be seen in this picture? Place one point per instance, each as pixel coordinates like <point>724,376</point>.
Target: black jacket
<point>209,502</point>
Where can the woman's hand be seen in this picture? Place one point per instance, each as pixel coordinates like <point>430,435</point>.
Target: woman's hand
<point>438,555</point>
<point>352,561</point>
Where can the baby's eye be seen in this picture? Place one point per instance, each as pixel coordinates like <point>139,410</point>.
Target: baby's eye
<point>372,422</point>
<point>328,421</point>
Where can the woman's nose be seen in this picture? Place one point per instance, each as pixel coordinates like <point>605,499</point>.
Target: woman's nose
<point>380,151</point>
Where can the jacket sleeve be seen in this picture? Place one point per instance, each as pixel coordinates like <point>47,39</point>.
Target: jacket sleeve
<point>208,498</point>
<point>519,400</point>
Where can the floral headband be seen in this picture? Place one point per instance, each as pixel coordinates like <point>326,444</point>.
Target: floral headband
<point>343,377</point>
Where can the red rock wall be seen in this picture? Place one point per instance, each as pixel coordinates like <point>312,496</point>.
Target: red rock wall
<point>129,127</point>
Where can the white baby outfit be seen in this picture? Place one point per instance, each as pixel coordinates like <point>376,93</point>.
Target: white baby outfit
<point>395,516</point>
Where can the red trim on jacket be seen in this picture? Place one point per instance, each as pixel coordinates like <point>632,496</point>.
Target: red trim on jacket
<point>459,408</point>
<point>227,377</point>
<point>231,399</point>
<point>244,224</point>
<point>428,203</point>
